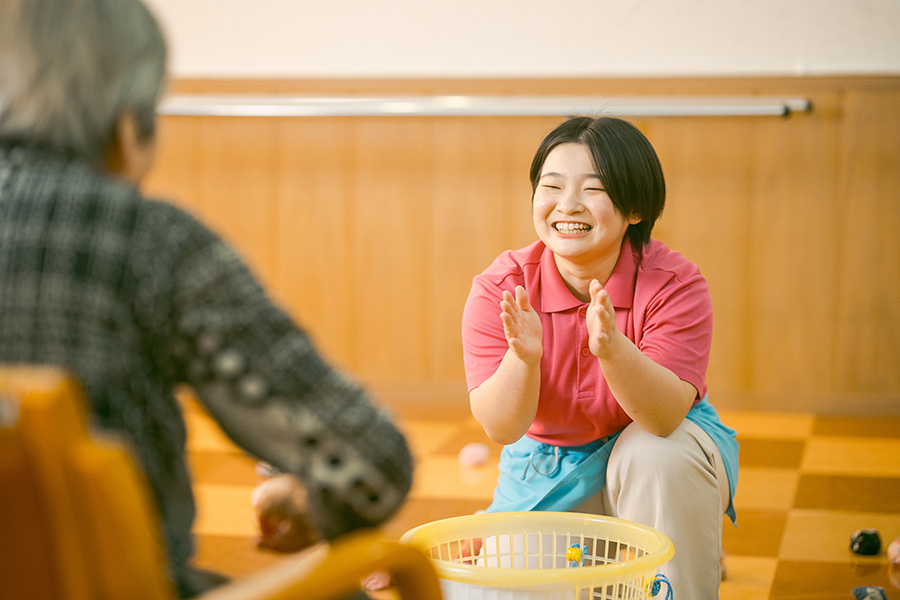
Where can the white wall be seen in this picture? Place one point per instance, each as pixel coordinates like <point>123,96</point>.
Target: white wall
<point>530,38</point>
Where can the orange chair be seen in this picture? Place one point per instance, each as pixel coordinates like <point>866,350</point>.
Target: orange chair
<point>76,520</point>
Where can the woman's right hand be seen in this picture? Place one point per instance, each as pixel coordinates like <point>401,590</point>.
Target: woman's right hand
<point>522,326</point>
<point>280,504</point>
<point>505,404</point>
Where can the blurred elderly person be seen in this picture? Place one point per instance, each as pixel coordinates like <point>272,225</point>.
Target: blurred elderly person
<point>135,296</point>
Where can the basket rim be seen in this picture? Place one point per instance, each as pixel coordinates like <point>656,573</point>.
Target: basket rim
<point>519,578</point>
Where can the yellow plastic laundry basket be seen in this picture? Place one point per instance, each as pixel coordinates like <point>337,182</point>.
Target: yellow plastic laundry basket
<point>543,556</point>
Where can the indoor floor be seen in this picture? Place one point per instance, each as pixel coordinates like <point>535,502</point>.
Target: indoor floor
<point>807,483</point>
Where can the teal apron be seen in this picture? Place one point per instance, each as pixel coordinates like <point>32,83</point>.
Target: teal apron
<point>539,476</point>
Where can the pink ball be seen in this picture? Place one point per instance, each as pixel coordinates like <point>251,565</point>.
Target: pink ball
<point>474,454</point>
<point>893,551</point>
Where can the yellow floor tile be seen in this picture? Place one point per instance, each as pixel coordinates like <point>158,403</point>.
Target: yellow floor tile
<point>766,489</point>
<point>769,425</point>
<point>444,477</point>
<point>824,536</point>
<point>749,578</point>
<point>425,437</point>
<point>224,510</point>
<point>877,457</point>
<point>204,435</point>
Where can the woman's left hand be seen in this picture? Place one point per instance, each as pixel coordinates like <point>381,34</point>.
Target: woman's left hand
<point>652,395</point>
<point>603,333</point>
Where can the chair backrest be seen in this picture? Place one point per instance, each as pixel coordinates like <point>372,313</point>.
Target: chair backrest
<point>77,523</point>
<point>76,520</point>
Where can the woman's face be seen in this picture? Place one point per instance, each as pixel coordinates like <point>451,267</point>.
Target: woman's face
<point>573,215</point>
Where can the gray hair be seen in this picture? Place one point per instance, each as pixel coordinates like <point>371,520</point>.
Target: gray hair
<point>70,68</point>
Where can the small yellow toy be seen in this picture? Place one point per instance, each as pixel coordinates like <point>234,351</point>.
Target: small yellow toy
<point>575,555</point>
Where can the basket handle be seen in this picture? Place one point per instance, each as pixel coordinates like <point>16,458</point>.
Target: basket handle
<point>658,580</point>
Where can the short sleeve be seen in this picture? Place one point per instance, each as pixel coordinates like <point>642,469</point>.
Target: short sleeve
<point>484,343</point>
<point>676,324</point>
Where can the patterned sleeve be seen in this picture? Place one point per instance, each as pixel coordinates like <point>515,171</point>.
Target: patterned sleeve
<point>260,376</point>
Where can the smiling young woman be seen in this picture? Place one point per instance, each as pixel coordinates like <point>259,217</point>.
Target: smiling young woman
<point>593,376</point>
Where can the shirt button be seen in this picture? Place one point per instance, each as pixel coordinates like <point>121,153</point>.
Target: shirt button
<point>582,312</point>
<point>585,351</point>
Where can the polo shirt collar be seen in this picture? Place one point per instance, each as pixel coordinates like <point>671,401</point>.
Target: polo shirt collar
<point>556,297</point>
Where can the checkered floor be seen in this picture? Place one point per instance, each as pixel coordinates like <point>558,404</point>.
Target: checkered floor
<point>806,484</point>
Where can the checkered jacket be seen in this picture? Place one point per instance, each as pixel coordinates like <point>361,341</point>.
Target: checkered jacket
<point>136,297</point>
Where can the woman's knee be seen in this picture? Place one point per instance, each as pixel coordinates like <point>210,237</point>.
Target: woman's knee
<point>666,459</point>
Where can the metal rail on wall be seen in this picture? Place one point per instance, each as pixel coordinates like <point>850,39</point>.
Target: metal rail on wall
<point>478,106</point>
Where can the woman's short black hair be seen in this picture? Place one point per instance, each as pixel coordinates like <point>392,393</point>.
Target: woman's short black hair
<point>626,162</point>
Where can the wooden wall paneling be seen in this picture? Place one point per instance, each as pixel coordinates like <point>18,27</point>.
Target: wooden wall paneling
<point>867,343</point>
<point>314,231</point>
<point>482,207</point>
<point>237,193</point>
<point>793,256</point>
<point>392,248</point>
<point>708,166</point>
<point>522,139</point>
<point>468,217</point>
<point>413,200</point>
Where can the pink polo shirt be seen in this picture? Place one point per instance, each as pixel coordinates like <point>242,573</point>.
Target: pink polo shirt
<point>662,304</point>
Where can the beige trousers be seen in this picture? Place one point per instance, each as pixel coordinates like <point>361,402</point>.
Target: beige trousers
<point>676,484</point>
